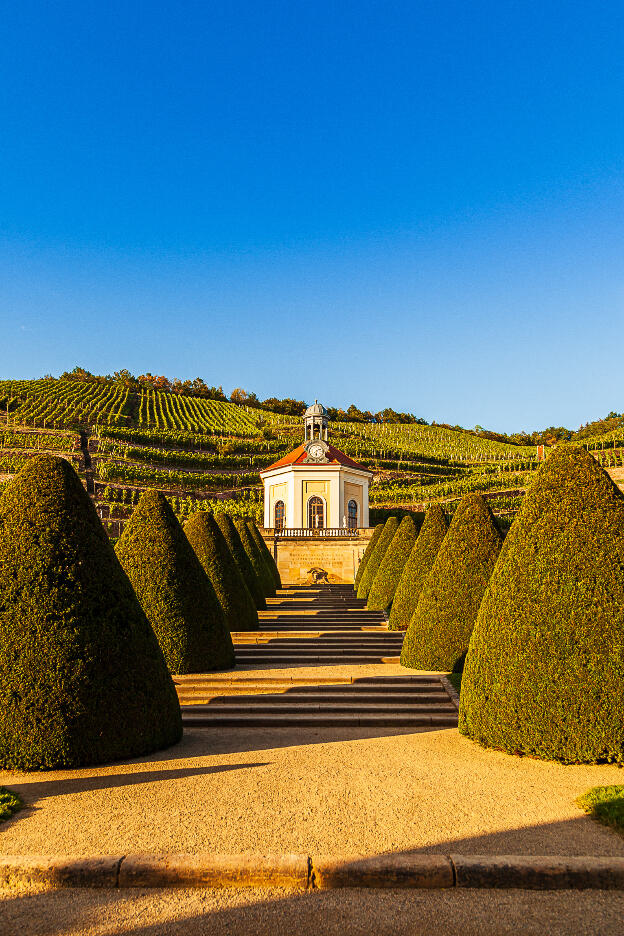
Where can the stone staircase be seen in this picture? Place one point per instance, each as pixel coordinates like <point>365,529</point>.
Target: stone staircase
<point>320,628</point>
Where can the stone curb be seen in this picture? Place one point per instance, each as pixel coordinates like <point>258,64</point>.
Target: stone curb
<point>269,870</point>
<point>540,872</point>
<point>60,870</point>
<point>417,871</point>
<point>450,691</point>
<point>301,872</point>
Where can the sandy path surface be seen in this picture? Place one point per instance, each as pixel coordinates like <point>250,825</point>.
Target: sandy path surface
<point>313,790</point>
<point>278,913</point>
<point>312,670</point>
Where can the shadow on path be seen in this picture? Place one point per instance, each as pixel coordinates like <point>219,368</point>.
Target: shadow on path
<point>31,793</point>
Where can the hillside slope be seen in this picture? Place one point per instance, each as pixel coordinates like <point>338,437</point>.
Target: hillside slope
<point>208,453</point>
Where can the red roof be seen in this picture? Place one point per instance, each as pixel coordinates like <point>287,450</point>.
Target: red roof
<point>298,457</point>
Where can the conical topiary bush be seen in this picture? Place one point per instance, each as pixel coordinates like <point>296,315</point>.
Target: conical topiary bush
<point>266,552</point>
<point>368,576</point>
<point>416,569</point>
<point>367,554</point>
<point>82,678</point>
<point>256,558</point>
<point>545,670</point>
<point>230,533</point>
<point>438,634</point>
<point>391,566</point>
<point>206,538</point>
<point>173,589</point>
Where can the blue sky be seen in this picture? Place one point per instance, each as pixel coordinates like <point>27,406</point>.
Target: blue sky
<point>416,205</point>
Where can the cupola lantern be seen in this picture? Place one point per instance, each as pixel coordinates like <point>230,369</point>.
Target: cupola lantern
<point>315,422</point>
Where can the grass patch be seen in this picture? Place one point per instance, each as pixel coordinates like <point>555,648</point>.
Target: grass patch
<point>455,681</point>
<point>605,803</point>
<point>9,803</point>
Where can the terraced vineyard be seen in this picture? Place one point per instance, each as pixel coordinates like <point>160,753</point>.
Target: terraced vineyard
<point>61,404</point>
<point>387,440</point>
<point>18,444</point>
<point>207,453</point>
<point>192,414</point>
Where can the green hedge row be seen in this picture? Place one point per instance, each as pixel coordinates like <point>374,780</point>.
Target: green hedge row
<point>367,554</point>
<point>417,568</point>
<point>368,576</point>
<point>384,585</point>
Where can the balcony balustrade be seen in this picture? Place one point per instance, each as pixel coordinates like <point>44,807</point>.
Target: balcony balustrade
<point>311,532</point>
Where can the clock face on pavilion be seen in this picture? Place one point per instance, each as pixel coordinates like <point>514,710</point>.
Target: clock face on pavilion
<point>317,451</point>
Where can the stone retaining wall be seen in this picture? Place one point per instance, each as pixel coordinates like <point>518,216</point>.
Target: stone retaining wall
<point>338,556</point>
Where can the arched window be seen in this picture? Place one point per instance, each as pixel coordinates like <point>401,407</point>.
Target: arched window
<point>353,517</point>
<point>316,513</point>
<point>280,515</point>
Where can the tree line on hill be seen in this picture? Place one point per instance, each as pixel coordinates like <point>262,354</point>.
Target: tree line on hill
<point>289,406</point>
<point>198,387</point>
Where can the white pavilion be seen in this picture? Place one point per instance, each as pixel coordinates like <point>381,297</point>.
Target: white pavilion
<point>316,486</point>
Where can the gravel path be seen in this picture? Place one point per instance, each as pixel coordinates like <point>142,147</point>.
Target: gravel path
<point>278,913</point>
<point>361,791</point>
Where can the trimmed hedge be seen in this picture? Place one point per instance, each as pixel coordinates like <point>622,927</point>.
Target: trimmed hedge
<point>545,672</point>
<point>174,591</point>
<point>417,568</point>
<point>232,538</point>
<point>266,552</point>
<point>390,568</point>
<point>439,633</point>
<point>368,576</point>
<point>256,558</point>
<point>204,535</point>
<point>367,554</point>
<point>82,678</point>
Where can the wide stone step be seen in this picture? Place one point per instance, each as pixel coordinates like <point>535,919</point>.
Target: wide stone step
<point>318,660</point>
<point>399,682</point>
<point>251,651</point>
<point>295,607</point>
<point>353,614</point>
<point>353,636</point>
<point>313,611</point>
<point>317,719</point>
<point>318,691</point>
<point>301,638</point>
<point>320,640</point>
<point>319,627</point>
<point>330,656</point>
<point>316,612</point>
<point>339,708</point>
<point>316,623</point>
<point>363,636</point>
<point>320,620</point>
<point>356,641</point>
<point>388,702</point>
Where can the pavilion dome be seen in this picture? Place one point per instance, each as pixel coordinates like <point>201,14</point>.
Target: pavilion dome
<point>317,409</point>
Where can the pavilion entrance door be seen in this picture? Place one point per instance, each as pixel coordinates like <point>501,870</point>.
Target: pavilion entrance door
<point>316,513</point>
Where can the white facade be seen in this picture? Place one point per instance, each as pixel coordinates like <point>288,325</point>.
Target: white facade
<point>337,486</point>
